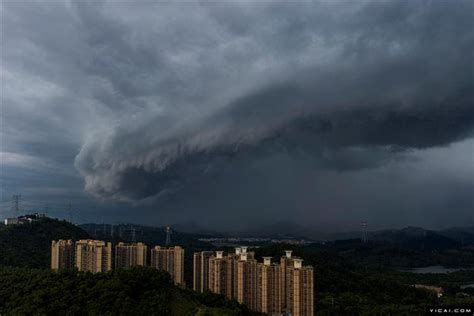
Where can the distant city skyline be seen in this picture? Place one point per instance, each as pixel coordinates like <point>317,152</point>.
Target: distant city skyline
<point>239,115</point>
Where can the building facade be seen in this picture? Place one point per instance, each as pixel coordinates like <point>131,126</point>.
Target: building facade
<point>247,281</point>
<point>299,289</point>
<point>129,255</point>
<point>218,273</point>
<point>93,255</point>
<point>170,260</point>
<point>201,271</point>
<point>62,254</point>
<point>265,285</point>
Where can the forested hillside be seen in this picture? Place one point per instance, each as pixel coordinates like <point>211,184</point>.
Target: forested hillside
<point>135,291</point>
<point>29,245</point>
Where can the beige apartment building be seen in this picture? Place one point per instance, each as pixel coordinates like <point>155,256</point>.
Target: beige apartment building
<point>231,274</point>
<point>218,273</point>
<point>275,289</point>
<point>247,281</point>
<point>300,287</point>
<point>170,260</point>
<point>266,285</point>
<point>201,271</point>
<point>286,262</point>
<point>129,255</point>
<point>93,255</point>
<point>62,254</point>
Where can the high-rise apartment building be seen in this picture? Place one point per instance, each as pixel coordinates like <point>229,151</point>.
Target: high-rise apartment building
<point>231,273</point>
<point>93,255</point>
<point>170,260</point>
<point>129,255</point>
<point>300,289</point>
<point>286,261</point>
<point>62,254</point>
<point>218,273</point>
<point>247,281</point>
<point>275,289</point>
<point>265,285</point>
<point>201,271</point>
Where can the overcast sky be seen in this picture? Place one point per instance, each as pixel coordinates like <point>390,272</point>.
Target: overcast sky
<point>236,114</point>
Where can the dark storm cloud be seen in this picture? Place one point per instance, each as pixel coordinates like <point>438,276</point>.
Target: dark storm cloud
<point>377,96</point>
<point>334,139</point>
<point>157,99</point>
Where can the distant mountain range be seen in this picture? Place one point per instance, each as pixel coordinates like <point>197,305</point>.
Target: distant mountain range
<point>282,229</point>
<point>416,238</point>
<point>465,235</point>
<point>28,245</point>
<point>409,237</point>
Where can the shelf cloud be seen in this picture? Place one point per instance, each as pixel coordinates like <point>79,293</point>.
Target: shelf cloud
<point>150,102</point>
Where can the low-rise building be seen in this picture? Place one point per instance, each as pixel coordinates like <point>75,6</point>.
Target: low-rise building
<point>435,289</point>
<point>28,218</point>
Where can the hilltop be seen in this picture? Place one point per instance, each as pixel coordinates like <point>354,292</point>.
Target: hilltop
<point>29,244</point>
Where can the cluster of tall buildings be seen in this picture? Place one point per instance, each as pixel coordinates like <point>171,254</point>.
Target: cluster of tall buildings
<point>280,288</point>
<point>273,288</point>
<point>98,256</point>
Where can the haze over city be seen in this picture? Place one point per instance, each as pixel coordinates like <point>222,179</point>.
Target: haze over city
<point>235,115</point>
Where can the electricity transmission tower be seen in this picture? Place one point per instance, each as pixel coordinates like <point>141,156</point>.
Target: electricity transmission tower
<point>365,238</point>
<point>133,235</point>
<point>168,235</point>
<point>69,211</point>
<point>16,199</point>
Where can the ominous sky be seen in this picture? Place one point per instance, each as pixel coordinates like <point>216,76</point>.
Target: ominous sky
<point>233,114</point>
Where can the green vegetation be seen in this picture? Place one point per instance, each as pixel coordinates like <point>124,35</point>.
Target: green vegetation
<point>29,245</point>
<point>135,291</point>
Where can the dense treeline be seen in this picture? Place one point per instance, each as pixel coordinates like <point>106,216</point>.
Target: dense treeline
<point>29,244</point>
<point>135,291</point>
